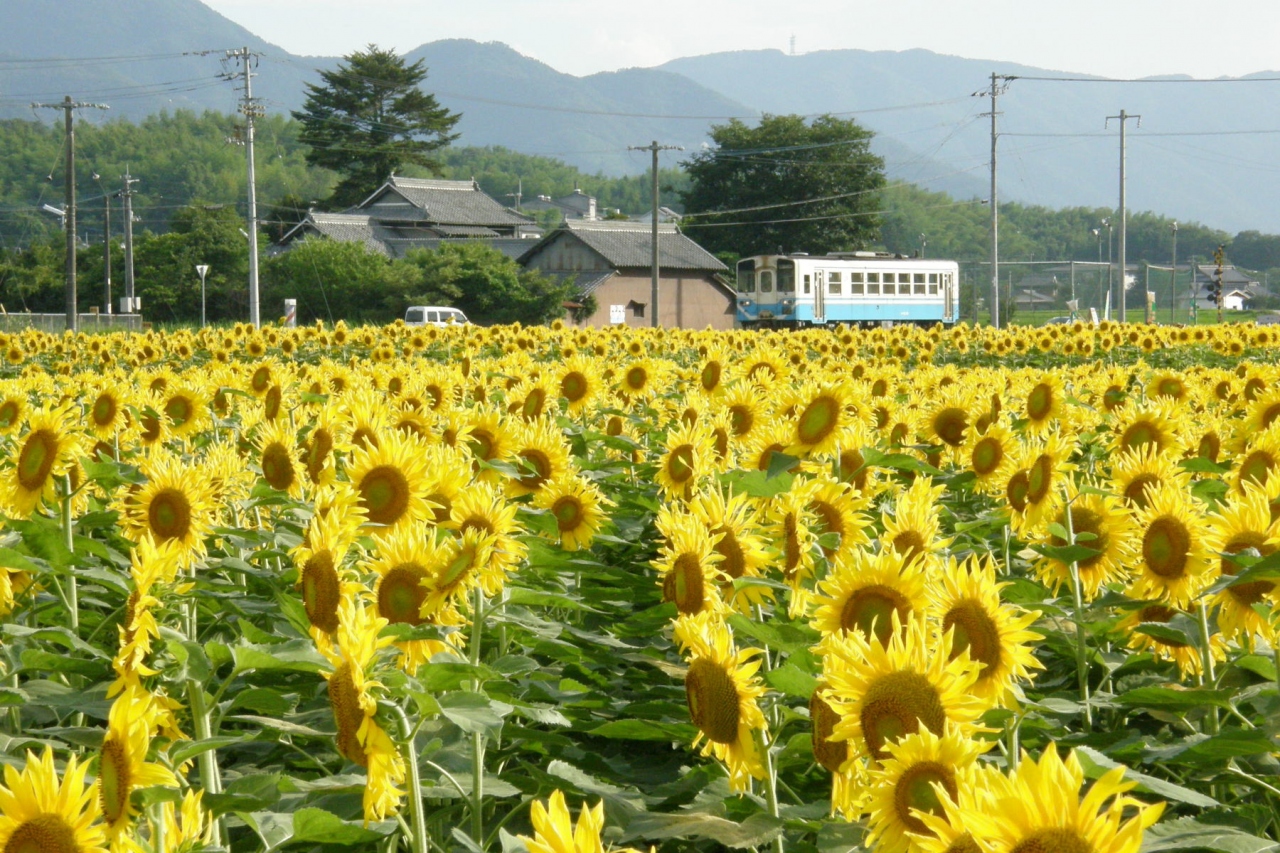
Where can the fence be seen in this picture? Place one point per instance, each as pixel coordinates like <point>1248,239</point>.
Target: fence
<point>55,323</point>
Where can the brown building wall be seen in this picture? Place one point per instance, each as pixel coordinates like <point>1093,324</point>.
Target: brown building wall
<point>689,300</point>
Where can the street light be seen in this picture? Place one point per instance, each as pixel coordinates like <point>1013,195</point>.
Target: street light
<point>202,270</point>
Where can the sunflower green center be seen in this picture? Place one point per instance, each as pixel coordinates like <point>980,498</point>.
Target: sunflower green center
<point>710,375</point>
<point>870,610</point>
<point>401,594</point>
<point>103,411</point>
<point>277,467</point>
<point>741,419</point>
<point>974,630</point>
<point>1166,546</point>
<point>1040,402</point>
<point>533,404</point>
<point>915,790</point>
<point>988,453</point>
<point>1257,466</point>
<point>1053,840</point>
<point>1136,491</point>
<point>458,569</point>
<point>680,463</point>
<point>318,450</point>
<point>734,564</point>
<point>35,461</point>
<point>169,515</point>
<point>683,584</point>
<point>384,492</point>
<point>114,782</point>
<point>1139,433</point>
<point>950,425</point>
<point>573,387</point>
<point>898,704</point>
<point>1039,479</point>
<point>320,591</point>
<point>713,700</point>
<point>819,420</point>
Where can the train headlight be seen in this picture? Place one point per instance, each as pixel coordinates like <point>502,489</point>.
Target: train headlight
<point>744,303</point>
<point>788,304</point>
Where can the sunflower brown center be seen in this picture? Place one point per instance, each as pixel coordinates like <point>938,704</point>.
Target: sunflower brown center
<point>964,844</point>
<point>680,463</point>
<point>318,450</point>
<point>790,546</point>
<point>104,410</point>
<point>482,444</point>
<point>568,512</point>
<point>710,375</point>
<point>915,790</point>
<point>988,453</point>
<point>1166,546</point>
<point>910,544</point>
<point>1040,402</point>
<point>831,754</point>
<point>320,591</point>
<point>179,410</point>
<point>830,520</point>
<point>344,697</point>
<point>35,461</point>
<point>1053,840</point>
<point>573,387</point>
<point>1136,491</point>
<point>44,833</point>
<point>401,594</point>
<point>114,779</point>
<point>869,611</point>
<point>458,569</point>
<point>636,378</point>
<point>9,412</point>
<point>741,419</point>
<point>852,469</point>
<point>950,425</point>
<point>819,420</point>
<point>734,564</point>
<point>896,705</point>
<point>539,465</point>
<point>533,404</point>
<point>150,428</point>
<point>1209,447</point>
<point>1085,520</point>
<point>169,515</point>
<point>277,467</point>
<point>974,630</point>
<point>1257,466</point>
<point>384,493</point>
<point>1141,432</point>
<point>1039,479</point>
<point>1247,594</point>
<point>683,584</point>
<point>713,700</point>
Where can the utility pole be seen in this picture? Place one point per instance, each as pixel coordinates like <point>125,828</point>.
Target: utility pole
<point>106,252</point>
<point>131,306</point>
<point>250,109</point>
<point>1173,276</point>
<point>1124,217</point>
<point>654,147</point>
<point>68,106</point>
<point>997,89</point>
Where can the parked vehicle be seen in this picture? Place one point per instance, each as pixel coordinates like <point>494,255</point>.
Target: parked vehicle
<point>433,315</point>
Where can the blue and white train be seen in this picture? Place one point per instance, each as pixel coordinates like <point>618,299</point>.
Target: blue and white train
<point>846,287</point>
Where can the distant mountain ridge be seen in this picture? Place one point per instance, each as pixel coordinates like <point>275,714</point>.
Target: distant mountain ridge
<point>1054,149</point>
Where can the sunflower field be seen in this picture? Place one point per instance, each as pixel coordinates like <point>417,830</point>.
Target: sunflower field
<point>550,589</point>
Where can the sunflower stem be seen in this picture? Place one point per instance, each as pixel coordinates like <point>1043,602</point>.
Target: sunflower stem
<point>1077,592</point>
<point>210,778</point>
<point>73,594</point>
<point>408,738</point>
<point>1015,727</point>
<point>477,738</point>
<point>770,782</point>
<point>1206,657</point>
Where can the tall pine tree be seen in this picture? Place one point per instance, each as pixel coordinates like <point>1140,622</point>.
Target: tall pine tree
<point>370,118</point>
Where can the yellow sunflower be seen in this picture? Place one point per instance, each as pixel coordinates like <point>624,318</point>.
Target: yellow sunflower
<point>1135,472</point>
<point>554,831</point>
<point>322,578</point>
<point>790,524</point>
<point>185,407</point>
<point>688,564</point>
<point>579,383</point>
<point>1045,403</point>
<point>824,415</point>
<point>1047,470</point>
<point>1106,525</point>
<point>186,827</point>
<point>483,508</point>
<point>922,770</point>
<point>278,457</point>
<point>1039,808</point>
<point>106,412</point>
<point>835,508</point>
<point>1243,522</point>
<point>466,562</point>
<point>884,692</point>
<point>1174,565</point>
<point>965,601</point>
<point>360,739</point>
<point>1187,656</point>
<point>860,594</point>
<point>1137,424</point>
<point>541,454</point>
<point>1257,461</point>
<point>990,455</point>
<point>122,764</point>
<point>40,813</point>
<point>721,690</point>
<point>577,505</point>
<point>174,506</point>
<point>390,479</point>
<point>405,562</point>
<point>747,408</point>
<point>914,530</point>
<point>734,524</point>
<point>687,457</point>
<point>43,457</point>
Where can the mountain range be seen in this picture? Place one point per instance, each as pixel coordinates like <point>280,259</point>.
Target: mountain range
<point>1202,152</point>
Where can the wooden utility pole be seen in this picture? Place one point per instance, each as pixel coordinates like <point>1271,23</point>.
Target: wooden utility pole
<point>68,105</point>
<point>653,256</point>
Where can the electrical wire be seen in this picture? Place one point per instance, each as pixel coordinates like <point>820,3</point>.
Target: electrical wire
<point>854,215</point>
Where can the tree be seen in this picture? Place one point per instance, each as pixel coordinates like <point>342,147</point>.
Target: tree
<point>335,280</point>
<point>369,119</point>
<point>491,287</point>
<point>785,185</point>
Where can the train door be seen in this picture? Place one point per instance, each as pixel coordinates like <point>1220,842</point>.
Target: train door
<point>819,297</point>
<point>767,296</point>
<point>949,298</point>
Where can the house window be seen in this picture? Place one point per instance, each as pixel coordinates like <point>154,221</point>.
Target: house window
<point>834,283</point>
<point>637,309</point>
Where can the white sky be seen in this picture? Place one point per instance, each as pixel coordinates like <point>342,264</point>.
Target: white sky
<point>1121,38</point>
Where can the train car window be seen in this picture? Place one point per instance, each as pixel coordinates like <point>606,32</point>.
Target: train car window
<point>886,285</point>
<point>856,287</point>
<point>933,283</point>
<point>806,284</point>
<point>833,283</point>
<point>919,283</point>
<point>786,276</point>
<point>766,281</point>
<point>873,283</point>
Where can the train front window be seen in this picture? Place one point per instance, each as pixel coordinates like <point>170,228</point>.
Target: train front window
<point>747,276</point>
<point>786,276</point>
<point>766,281</point>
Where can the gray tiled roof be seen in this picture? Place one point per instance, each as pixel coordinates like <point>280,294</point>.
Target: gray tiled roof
<point>449,202</point>
<point>347,228</point>
<point>628,245</point>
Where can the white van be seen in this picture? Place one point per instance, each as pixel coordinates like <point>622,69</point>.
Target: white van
<point>432,315</point>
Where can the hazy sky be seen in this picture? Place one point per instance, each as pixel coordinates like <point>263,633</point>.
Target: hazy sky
<point>1109,37</point>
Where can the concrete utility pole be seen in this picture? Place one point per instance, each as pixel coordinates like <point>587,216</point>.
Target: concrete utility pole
<point>68,106</point>
<point>250,109</point>
<point>653,257</point>
<point>1124,217</point>
<point>131,306</point>
<point>1173,276</point>
<point>997,89</point>
<point>106,253</point>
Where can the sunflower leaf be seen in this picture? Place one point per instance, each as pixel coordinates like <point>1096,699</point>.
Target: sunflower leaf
<point>1096,764</point>
<point>1188,834</point>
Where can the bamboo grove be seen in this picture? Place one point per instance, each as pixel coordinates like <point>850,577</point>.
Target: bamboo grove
<point>382,588</point>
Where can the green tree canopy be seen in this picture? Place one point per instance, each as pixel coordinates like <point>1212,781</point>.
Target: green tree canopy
<point>785,184</point>
<point>491,287</point>
<point>333,280</point>
<point>369,119</point>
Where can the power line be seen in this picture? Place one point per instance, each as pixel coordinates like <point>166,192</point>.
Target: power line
<point>854,215</point>
<point>1183,80</point>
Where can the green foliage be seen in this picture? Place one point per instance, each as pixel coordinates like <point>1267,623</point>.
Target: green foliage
<point>491,287</point>
<point>787,186</point>
<point>370,119</point>
<point>344,281</point>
